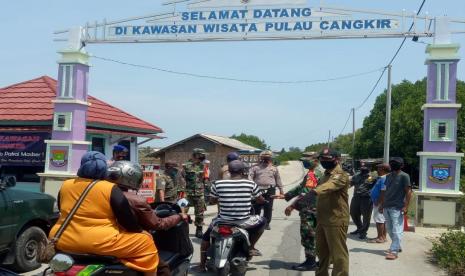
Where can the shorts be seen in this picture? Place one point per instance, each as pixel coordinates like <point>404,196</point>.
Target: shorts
<point>252,225</point>
<point>377,216</point>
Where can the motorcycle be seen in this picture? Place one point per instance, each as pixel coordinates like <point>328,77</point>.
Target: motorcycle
<point>174,248</point>
<point>229,253</point>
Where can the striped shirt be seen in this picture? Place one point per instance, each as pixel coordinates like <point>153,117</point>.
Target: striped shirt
<point>235,197</point>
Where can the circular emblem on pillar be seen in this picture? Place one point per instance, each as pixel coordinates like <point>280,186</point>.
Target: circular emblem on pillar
<point>245,1</point>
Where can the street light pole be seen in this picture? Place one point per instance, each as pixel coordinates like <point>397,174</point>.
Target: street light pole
<point>387,131</point>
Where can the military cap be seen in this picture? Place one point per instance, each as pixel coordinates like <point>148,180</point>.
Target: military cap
<point>171,163</point>
<point>310,154</point>
<point>306,158</point>
<point>329,153</point>
<point>120,148</point>
<point>266,153</point>
<point>198,151</point>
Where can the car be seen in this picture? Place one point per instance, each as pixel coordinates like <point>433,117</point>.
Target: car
<point>25,221</point>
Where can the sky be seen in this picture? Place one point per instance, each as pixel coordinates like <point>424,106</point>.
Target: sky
<point>282,115</point>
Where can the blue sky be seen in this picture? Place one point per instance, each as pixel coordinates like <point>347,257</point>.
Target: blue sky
<point>283,115</point>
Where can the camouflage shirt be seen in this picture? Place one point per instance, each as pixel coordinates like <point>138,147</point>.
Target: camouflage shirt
<point>194,178</point>
<point>169,185</point>
<point>300,204</point>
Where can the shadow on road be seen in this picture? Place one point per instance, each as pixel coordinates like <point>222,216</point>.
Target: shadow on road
<point>379,252</point>
<point>276,264</point>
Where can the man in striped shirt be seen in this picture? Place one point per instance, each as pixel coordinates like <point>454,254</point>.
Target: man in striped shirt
<point>234,197</point>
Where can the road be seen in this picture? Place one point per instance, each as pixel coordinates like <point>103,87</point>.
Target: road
<point>281,247</point>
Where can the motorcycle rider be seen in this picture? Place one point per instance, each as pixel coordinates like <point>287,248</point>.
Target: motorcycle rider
<point>225,193</point>
<point>104,223</point>
<point>129,176</point>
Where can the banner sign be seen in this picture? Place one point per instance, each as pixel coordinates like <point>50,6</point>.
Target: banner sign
<point>248,22</point>
<point>23,149</point>
<point>147,189</point>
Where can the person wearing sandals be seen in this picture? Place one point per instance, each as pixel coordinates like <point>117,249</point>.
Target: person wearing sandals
<point>378,217</point>
<point>234,197</point>
<point>103,224</point>
<point>394,201</point>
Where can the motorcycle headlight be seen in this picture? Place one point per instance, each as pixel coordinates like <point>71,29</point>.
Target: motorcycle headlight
<point>61,263</point>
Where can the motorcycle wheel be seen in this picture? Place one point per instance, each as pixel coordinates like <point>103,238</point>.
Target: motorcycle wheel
<point>224,271</point>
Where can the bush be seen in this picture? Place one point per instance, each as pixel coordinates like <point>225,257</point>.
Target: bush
<point>449,252</point>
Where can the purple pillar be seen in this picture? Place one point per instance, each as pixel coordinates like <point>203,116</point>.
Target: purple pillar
<point>68,142</point>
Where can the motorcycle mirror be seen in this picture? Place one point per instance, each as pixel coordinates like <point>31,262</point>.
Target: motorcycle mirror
<point>61,263</point>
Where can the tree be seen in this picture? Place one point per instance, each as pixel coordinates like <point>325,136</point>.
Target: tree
<point>316,147</point>
<point>251,140</point>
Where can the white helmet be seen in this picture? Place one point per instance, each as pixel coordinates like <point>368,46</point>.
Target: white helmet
<point>126,174</point>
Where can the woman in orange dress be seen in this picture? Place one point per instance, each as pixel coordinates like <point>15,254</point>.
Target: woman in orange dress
<point>104,223</point>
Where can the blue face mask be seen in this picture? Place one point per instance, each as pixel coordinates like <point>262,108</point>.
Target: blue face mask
<point>172,172</point>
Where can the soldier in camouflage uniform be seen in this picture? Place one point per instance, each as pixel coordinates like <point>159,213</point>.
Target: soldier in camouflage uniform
<point>168,184</point>
<point>193,174</point>
<point>307,212</point>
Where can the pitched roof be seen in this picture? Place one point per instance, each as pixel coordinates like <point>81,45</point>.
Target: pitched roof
<point>30,103</point>
<point>223,140</point>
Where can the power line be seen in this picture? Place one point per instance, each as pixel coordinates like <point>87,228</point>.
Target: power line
<point>345,125</point>
<point>233,79</point>
<point>392,59</point>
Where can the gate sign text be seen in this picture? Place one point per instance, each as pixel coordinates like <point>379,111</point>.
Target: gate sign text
<point>250,23</point>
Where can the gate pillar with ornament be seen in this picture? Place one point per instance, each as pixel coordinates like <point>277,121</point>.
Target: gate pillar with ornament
<point>68,143</point>
<point>437,198</point>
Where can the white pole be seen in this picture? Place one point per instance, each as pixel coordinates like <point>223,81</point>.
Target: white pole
<point>387,131</point>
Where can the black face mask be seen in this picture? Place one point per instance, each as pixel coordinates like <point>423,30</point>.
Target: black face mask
<point>395,166</point>
<point>365,171</point>
<point>202,158</point>
<point>328,165</point>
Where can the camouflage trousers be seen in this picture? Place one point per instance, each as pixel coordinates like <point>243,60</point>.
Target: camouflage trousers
<point>307,232</point>
<point>198,202</point>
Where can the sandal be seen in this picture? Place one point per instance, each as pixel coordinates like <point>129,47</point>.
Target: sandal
<point>255,252</point>
<point>391,256</point>
<point>375,240</point>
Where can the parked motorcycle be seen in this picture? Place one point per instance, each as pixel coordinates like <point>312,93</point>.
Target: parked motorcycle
<point>174,247</point>
<point>229,253</point>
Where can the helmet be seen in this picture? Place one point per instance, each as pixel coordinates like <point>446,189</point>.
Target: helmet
<point>232,156</point>
<point>266,153</point>
<point>237,166</point>
<point>126,174</point>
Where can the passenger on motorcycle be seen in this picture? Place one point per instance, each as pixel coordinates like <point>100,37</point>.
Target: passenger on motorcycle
<point>234,197</point>
<point>104,223</point>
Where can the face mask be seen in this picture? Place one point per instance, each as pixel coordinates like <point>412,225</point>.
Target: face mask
<point>202,158</point>
<point>328,165</point>
<point>308,165</point>
<point>365,171</point>
<point>172,172</point>
<point>395,166</point>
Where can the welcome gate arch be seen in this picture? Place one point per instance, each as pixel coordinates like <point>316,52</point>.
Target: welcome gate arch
<point>267,20</point>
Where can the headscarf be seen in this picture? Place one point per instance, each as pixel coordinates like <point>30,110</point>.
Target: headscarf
<point>93,166</point>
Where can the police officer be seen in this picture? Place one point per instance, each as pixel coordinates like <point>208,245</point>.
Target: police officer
<point>168,184</point>
<point>193,174</point>
<point>267,178</point>
<point>307,211</point>
<point>333,216</point>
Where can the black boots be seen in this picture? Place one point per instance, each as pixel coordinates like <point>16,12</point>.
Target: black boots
<point>308,265</point>
<point>198,232</point>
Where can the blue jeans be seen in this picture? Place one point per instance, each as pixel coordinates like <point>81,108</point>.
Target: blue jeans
<point>395,227</point>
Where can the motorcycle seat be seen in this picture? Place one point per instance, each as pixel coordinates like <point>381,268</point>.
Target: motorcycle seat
<point>168,257</point>
<point>92,259</point>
